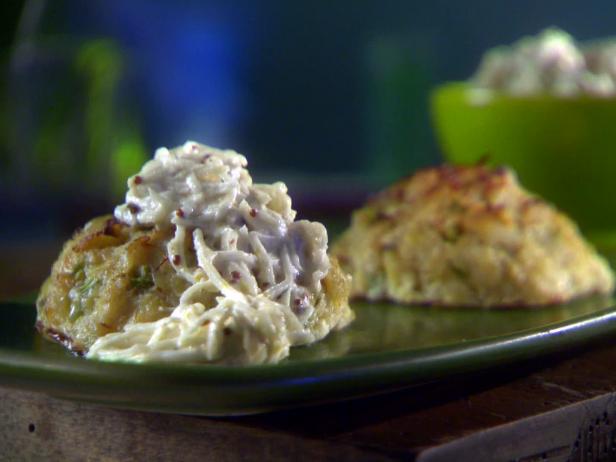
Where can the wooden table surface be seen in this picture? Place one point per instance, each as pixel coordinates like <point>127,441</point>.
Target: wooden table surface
<point>562,408</point>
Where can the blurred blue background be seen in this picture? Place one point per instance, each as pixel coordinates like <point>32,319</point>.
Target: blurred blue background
<point>329,96</point>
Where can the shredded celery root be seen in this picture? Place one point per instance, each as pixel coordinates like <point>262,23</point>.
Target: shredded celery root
<point>255,274</point>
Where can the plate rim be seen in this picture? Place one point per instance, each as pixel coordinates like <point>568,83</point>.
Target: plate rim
<point>286,383</point>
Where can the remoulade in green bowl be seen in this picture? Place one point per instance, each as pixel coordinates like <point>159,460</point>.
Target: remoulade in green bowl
<point>563,149</point>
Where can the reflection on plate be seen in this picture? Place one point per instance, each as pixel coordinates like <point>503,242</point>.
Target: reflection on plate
<point>382,327</point>
<point>387,347</point>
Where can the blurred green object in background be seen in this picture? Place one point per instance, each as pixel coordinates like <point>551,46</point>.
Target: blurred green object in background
<point>113,148</point>
<point>70,119</point>
<point>561,148</point>
<point>126,160</point>
<point>398,125</point>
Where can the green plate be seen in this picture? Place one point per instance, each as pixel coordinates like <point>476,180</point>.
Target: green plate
<point>386,348</point>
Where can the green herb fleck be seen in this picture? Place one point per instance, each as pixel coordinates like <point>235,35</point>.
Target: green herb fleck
<point>81,296</point>
<point>78,271</point>
<point>85,288</point>
<point>142,278</point>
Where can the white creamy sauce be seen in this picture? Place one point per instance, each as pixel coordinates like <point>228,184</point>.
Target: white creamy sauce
<point>550,63</point>
<point>255,273</point>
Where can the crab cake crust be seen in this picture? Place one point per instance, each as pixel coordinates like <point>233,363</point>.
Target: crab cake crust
<point>468,235</point>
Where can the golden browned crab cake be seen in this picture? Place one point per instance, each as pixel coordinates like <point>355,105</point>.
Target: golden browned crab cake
<point>108,274</point>
<point>468,235</point>
<point>199,264</point>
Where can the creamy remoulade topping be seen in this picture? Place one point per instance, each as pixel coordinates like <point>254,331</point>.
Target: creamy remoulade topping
<point>254,273</point>
<point>550,63</point>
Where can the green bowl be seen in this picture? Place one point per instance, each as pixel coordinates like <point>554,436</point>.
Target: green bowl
<point>562,149</point>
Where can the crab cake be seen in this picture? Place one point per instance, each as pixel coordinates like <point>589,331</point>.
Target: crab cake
<point>468,235</point>
<point>107,275</point>
<point>199,264</point>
